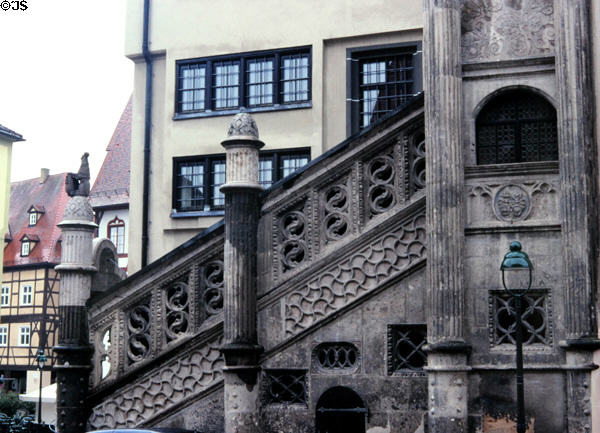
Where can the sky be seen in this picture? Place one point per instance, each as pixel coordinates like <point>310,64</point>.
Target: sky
<point>64,81</point>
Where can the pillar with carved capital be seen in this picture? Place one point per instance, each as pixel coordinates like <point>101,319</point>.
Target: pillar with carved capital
<point>76,268</point>
<point>447,360</point>
<point>240,348</point>
<point>578,171</point>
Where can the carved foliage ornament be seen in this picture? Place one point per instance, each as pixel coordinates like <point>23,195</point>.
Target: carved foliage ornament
<point>381,173</point>
<point>140,341</point>
<point>505,29</point>
<point>293,249</point>
<point>213,282</point>
<point>177,305</point>
<point>336,223</point>
<point>186,375</point>
<point>358,274</point>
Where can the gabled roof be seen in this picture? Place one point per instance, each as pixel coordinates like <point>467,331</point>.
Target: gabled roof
<point>10,134</point>
<point>51,196</point>
<point>112,184</point>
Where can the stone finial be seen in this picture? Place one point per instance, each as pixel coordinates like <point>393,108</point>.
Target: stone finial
<point>243,126</point>
<point>78,184</point>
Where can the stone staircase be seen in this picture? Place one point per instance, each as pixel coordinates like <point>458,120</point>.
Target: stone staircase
<point>331,236</point>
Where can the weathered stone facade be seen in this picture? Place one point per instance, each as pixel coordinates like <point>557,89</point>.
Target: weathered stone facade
<point>359,294</point>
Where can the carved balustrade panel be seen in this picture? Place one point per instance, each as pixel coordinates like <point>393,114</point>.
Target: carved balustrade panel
<point>104,336</point>
<point>343,200</point>
<point>139,332</point>
<point>160,389</point>
<point>177,305</point>
<point>385,257</point>
<point>212,285</point>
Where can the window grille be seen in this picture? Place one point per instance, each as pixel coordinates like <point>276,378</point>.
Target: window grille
<point>5,296</point>
<point>286,386</point>
<point>405,348</point>
<point>256,81</point>
<point>25,248</point>
<point>336,356</point>
<point>516,126</point>
<point>535,312</point>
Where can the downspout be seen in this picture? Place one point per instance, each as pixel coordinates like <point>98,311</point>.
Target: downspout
<point>147,131</point>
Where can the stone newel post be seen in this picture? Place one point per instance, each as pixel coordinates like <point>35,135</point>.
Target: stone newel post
<point>74,351</point>
<point>240,348</point>
<point>447,358</point>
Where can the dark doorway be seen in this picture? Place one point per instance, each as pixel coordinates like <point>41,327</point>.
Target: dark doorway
<point>340,410</point>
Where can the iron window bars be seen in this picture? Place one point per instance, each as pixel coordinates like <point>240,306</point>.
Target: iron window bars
<point>276,78</point>
<point>285,386</point>
<point>405,348</point>
<point>381,80</point>
<point>197,180</point>
<point>516,126</point>
<point>336,356</point>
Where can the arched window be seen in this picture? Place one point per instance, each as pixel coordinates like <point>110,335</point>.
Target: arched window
<point>340,410</point>
<point>116,233</point>
<point>516,126</point>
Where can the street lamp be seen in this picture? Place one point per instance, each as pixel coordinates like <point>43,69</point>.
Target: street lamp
<point>516,278</point>
<point>41,360</point>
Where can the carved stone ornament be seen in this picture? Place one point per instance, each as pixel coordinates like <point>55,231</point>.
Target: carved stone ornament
<point>381,174</point>
<point>178,310</point>
<point>336,223</point>
<point>358,274</point>
<point>512,203</point>
<point>214,284</point>
<point>293,250</point>
<point>506,29</point>
<point>78,184</point>
<point>79,208</point>
<point>186,375</point>
<point>243,125</point>
<point>140,339</point>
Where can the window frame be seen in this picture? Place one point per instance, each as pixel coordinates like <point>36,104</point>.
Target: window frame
<point>117,223</point>
<point>23,294</point>
<point>33,216</point>
<point>243,60</point>
<point>5,295</point>
<point>3,335</point>
<point>207,162</point>
<point>353,57</point>
<point>25,248</point>
<point>22,334</point>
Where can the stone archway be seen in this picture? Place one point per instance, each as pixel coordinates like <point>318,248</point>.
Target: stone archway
<point>340,410</point>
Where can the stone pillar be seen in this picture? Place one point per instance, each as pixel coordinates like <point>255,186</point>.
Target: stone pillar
<point>74,351</point>
<point>447,359</point>
<point>577,159</point>
<point>240,348</point>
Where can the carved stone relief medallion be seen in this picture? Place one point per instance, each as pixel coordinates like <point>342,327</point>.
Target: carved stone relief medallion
<point>512,203</point>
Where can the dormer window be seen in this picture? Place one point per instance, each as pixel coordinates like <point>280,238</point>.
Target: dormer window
<point>35,213</point>
<point>28,243</point>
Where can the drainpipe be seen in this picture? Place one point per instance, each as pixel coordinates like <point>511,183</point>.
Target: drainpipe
<point>147,131</point>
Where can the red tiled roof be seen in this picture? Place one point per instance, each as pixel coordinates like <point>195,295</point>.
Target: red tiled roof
<point>52,196</point>
<point>112,184</point>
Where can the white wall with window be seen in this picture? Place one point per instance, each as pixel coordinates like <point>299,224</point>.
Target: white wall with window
<point>114,225</point>
<point>24,335</point>
<point>26,297</point>
<point>3,335</point>
<point>5,296</point>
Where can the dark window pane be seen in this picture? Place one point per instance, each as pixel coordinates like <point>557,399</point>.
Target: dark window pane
<point>226,84</point>
<point>190,186</point>
<point>385,83</point>
<point>259,79</point>
<point>192,87</point>
<point>265,171</point>
<point>516,126</point>
<point>294,78</point>
<point>291,163</point>
<point>218,179</point>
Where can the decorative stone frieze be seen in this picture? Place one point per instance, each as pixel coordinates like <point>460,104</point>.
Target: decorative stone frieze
<point>161,389</point>
<point>392,253</point>
<point>507,29</point>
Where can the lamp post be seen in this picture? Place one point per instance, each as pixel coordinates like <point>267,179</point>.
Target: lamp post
<point>516,278</point>
<point>41,360</point>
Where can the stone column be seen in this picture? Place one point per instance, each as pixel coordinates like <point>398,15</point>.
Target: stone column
<point>447,359</point>
<point>74,351</point>
<point>578,160</point>
<point>240,348</point>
